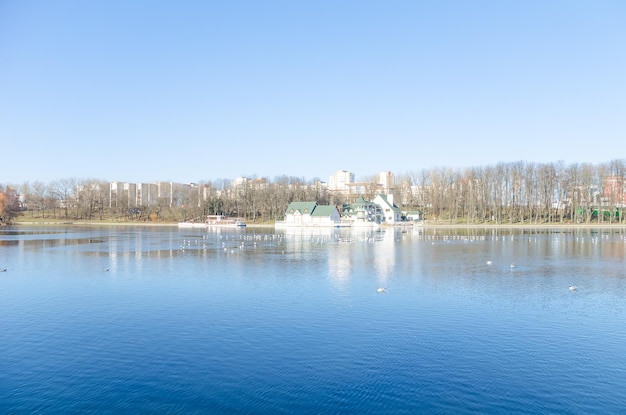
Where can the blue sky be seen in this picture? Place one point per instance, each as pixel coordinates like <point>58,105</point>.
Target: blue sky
<point>193,91</point>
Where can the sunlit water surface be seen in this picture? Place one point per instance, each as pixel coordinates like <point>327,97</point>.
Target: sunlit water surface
<point>162,320</point>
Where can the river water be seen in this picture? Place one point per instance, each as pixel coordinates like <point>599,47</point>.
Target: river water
<point>162,320</point>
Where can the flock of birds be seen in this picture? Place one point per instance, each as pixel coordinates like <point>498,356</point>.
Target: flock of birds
<point>384,289</point>
<point>235,243</point>
<point>571,287</point>
<point>378,290</point>
<point>512,266</point>
<point>251,240</point>
<point>232,243</point>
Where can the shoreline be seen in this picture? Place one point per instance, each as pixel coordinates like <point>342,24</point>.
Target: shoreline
<point>528,226</point>
<point>423,226</point>
<point>113,224</point>
<point>90,223</point>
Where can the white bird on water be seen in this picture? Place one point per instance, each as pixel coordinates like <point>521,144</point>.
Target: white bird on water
<point>573,288</point>
<point>381,290</point>
<point>489,262</point>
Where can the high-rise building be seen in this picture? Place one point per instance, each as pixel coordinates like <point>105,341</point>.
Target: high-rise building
<point>340,180</point>
<point>386,180</point>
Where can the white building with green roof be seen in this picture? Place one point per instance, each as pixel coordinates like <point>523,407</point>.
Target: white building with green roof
<point>310,214</point>
<point>391,213</point>
<point>362,212</point>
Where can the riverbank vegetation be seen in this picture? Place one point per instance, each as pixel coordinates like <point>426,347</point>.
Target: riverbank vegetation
<point>10,207</point>
<point>501,194</point>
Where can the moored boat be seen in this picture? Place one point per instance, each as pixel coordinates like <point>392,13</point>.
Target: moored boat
<point>220,221</point>
<point>223,221</point>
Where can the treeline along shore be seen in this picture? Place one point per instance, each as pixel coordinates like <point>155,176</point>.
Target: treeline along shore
<point>518,193</point>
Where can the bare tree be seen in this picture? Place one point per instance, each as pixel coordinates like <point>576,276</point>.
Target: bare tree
<point>9,205</point>
<point>546,189</point>
<point>560,191</point>
<point>38,197</point>
<point>613,189</point>
<point>62,191</point>
<point>589,190</point>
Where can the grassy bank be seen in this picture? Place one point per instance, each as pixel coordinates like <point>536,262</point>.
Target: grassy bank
<point>32,220</point>
<point>527,225</point>
<point>426,225</point>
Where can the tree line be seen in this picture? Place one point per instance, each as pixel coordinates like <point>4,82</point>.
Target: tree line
<point>521,192</point>
<point>504,193</point>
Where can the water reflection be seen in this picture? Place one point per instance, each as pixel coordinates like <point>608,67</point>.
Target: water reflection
<point>339,267</point>
<point>377,250</point>
<point>9,243</point>
<point>248,309</point>
<point>385,257</point>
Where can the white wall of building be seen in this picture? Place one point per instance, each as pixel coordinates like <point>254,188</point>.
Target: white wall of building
<point>339,181</point>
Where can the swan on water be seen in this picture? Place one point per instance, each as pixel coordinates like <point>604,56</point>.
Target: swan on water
<point>489,262</point>
<point>573,288</point>
<point>381,290</point>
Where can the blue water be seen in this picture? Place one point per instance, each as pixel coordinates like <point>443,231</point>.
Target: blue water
<point>162,320</point>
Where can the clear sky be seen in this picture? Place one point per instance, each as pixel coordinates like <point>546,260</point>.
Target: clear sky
<point>193,91</point>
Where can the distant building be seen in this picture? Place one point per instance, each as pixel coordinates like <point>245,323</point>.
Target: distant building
<point>146,194</point>
<point>360,188</point>
<point>115,193</point>
<point>310,214</point>
<point>239,182</point>
<point>386,181</point>
<point>165,192</point>
<point>133,195</point>
<point>383,182</point>
<point>380,210</point>
<point>391,212</point>
<point>414,215</point>
<point>362,211</point>
<point>340,181</point>
<point>614,190</point>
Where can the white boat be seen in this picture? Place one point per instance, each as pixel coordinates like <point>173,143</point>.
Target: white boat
<point>219,221</point>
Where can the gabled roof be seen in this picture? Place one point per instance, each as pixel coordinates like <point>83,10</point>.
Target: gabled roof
<point>362,202</point>
<point>302,207</point>
<point>324,210</point>
<point>386,201</point>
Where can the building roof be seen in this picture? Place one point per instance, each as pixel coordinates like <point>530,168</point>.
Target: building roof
<point>386,201</point>
<point>359,204</point>
<point>302,207</point>
<point>361,201</point>
<point>324,210</point>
